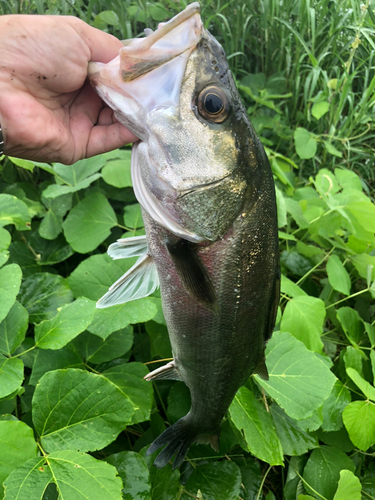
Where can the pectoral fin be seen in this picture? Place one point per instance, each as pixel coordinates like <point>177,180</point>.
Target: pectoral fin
<point>141,280</point>
<point>128,247</point>
<point>166,372</point>
<point>193,274</point>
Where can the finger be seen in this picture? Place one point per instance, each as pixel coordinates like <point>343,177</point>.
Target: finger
<point>103,47</point>
<point>106,117</point>
<point>104,138</point>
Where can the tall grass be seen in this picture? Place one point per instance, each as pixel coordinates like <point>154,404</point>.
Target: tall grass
<point>321,51</point>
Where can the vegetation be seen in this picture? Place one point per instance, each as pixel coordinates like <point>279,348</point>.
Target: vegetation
<point>71,376</point>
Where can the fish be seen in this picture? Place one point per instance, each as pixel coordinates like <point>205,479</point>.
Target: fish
<point>207,194</point>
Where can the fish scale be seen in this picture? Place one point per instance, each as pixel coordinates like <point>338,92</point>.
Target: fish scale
<point>208,202</point>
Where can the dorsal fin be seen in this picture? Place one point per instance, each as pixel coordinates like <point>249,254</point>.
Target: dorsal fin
<point>193,274</point>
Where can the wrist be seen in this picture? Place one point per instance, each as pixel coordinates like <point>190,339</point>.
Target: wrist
<point>1,142</point>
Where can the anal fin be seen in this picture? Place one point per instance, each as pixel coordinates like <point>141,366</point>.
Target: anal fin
<point>166,372</point>
<point>261,369</point>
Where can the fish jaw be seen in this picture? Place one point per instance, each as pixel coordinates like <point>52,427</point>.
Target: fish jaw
<point>147,73</point>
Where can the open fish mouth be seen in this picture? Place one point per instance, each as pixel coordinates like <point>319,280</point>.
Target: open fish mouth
<point>126,82</point>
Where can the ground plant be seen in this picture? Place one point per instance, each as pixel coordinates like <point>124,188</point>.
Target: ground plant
<point>76,416</point>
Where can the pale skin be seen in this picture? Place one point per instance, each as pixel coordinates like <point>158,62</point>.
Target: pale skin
<point>48,110</point>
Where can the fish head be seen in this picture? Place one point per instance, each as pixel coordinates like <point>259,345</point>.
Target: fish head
<point>194,164</point>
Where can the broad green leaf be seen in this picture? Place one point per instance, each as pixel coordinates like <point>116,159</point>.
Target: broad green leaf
<point>294,209</point>
<point>165,483</point>
<point>367,389</point>
<point>361,262</point>
<point>319,109</point>
<point>10,282</point>
<point>77,476</point>
<point>109,17</point>
<point>42,294</point>
<point>95,275</point>
<point>117,172</point>
<point>351,323</point>
<point>304,317</point>
<point>322,471</point>
<point>133,216</point>
<point>353,358</point>
<point>51,224</point>
<point>298,381</point>
<point>294,441</point>
<point>179,401</point>
<point>290,288</point>
<point>349,487</point>
<point>29,165</point>
<point>50,252</point>
<point>5,239</point>
<point>216,481</point>
<point>305,143</point>
<point>4,257</point>
<point>80,410</point>
<point>11,375</point>
<point>48,360</point>
<point>160,344</point>
<point>359,420</point>
<point>128,377</point>
<point>364,212</point>
<point>71,320</point>
<point>17,445</point>
<point>348,179</point>
<point>333,407</point>
<point>338,276</point>
<point>13,329</point>
<point>14,211</point>
<point>114,318</point>
<point>89,223</point>
<point>332,150</point>
<point>251,477</point>
<point>133,471</point>
<point>249,414</point>
<point>57,190</point>
<point>96,350</point>
<point>281,208</point>
<point>312,423</point>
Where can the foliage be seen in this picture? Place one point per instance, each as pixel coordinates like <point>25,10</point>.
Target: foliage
<point>76,414</point>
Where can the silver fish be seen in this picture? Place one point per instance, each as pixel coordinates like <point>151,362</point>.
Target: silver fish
<point>206,189</point>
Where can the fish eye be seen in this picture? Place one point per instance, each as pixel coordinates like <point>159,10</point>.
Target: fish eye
<point>213,104</point>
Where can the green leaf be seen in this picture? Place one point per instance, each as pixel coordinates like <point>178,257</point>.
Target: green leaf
<point>11,375</point>
<point>290,288</point>
<point>50,252</point>
<point>216,481</point>
<point>249,414</point>
<point>5,239</point>
<point>359,420</point>
<point>56,190</point>
<point>165,483</point>
<point>29,165</point>
<point>51,225</point>
<point>128,377</point>
<point>13,329</point>
<point>160,344</point>
<point>179,401</point>
<point>351,323</point>
<point>75,474</point>
<point>298,381</point>
<point>305,143</point>
<point>294,441</point>
<point>10,282</point>
<point>14,211</point>
<point>333,407</point>
<point>348,179</point>
<point>322,471</point>
<point>338,276</point>
<point>133,216</point>
<point>114,318</point>
<point>319,109</point>
<point>133,471</point>
<point>332,150</point>
<point>48,360</point>
<point>89,223</point>
<point>349,487</point>
<point>96,350</point>
<point>77,409</point>
<point>109,17</point>
<point>304,317</point>
<point>43,294</point>
<point>367,389</point>
<point>71,320</point>
<point>95,275</point>
<point>364,212</point>
<point>117,172</point>
<point>17,445</point>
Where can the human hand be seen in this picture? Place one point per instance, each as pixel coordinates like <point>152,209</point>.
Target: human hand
<point>48,111</point>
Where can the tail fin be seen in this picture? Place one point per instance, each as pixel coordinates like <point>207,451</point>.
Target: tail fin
<point>178,438</point>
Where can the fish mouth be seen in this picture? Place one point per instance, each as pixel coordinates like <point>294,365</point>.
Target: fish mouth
<point>148,71</point>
